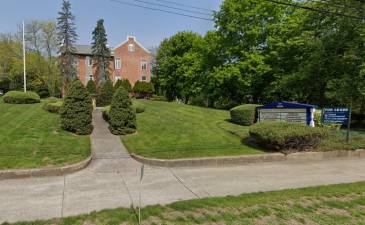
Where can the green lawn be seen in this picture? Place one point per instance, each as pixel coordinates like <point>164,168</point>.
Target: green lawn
<point>174,130</point>
<point>31,137</point>
<point>334,204</point>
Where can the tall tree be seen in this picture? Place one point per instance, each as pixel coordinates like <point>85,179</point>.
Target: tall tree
<point>101,52</point>
<point>67,38</point>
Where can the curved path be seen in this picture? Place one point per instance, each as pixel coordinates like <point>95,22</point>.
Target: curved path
<point>112,180</point>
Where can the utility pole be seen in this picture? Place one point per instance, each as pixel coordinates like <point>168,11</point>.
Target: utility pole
<point>24,72</point>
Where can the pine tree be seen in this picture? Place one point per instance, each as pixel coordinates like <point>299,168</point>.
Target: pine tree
<point>67,37</point>
<point>122,115</point>
<point>105,94</point>
<point>91,87</point>
<point>76,111</point>
<point>101,52</point>
<point>125,84</point>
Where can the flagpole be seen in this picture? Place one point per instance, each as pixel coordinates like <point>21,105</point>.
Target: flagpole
<point>24,72</point>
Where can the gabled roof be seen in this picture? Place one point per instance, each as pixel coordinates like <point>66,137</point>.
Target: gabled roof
<point>86,50</point>
<point>135,40</point>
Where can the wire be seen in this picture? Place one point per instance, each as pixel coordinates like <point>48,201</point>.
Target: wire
<point>185,5</point>
<point>328,3</point>
<point>171,7</point>
<point>161,10</point>
<point>323,11</point>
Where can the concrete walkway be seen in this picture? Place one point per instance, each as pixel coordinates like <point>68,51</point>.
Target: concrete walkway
<point>112,180</point>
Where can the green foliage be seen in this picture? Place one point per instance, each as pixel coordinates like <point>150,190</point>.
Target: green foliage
<point>244,114</point>
<point>122,116</point>
<point>67,37</point>
<point>53,107</point>
<point>286,136</point>
<point>91,87</point>
<point>143,89</point>
<point>4,84</point>
<point>105,94</point>
<point>125,84</point>
<point>101,52</point>
<point>76,112</point>
<point>19,97</point>
<point>138,108</point>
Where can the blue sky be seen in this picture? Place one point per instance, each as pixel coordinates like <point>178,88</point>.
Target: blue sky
<point>149,27</point>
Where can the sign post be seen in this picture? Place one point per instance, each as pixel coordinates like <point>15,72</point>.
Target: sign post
<point>348,127</point>
<point>140,189</point>
<point>338,116</point>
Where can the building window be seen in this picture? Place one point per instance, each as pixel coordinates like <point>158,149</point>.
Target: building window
<point>118,64</point>
<point>118,77</point>
<point>90,77</point>
<point>89,60</point>
<point>144,78</point>
<point>131,47</point>
<point>143,65</point>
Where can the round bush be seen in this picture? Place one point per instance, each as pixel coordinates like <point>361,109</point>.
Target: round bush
<point>53,107</point>
<point>76,112</point>
<point>285,136</point>
<point>105,94</point>
<point>91,87</point>
<point>244,114</point>
<point>19,97</point>
<point>122,115</point>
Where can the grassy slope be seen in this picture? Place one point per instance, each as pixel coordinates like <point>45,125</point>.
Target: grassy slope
<point>174,130</point>
<point>31,137</point>
<point>334,204</point>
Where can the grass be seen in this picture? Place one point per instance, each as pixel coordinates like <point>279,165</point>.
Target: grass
<point>337,140</point>
<point>333,204</point>
<point>30,137</point>
<point>174,130</point>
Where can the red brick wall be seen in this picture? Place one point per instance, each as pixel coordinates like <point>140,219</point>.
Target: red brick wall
<point>131,68</point>
<point>81,70</point>
<point>131,61</point>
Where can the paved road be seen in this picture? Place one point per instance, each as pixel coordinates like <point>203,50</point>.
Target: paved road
<point>112,180</point>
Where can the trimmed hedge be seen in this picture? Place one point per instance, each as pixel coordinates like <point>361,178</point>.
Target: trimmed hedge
<point>143,89</point>
<point>53,107</point>
<point>19,97</point>
<point>287,136</point>
<point>76,112</point>
<point>122,116</point>
<point>105,94</point>
<point>138,107</point>
<point>244,114</point>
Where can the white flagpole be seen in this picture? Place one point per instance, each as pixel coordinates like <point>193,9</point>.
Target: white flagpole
<point>24,74</point>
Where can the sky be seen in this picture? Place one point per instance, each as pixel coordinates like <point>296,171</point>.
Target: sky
<point>149,27</point>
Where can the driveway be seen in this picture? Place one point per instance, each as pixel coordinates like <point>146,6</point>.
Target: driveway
<point>112,180</point>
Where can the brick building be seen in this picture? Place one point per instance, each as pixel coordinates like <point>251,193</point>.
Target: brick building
<point>130,60</point>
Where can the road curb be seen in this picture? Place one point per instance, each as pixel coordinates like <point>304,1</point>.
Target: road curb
<point>45,171</point>
<point>247,159</point>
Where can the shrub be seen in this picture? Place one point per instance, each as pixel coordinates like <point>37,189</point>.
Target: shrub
<point>105,94</point>
<point>91,87</point>
<point>76,112</point>
<point>122,116</point>
<point>125,84</point>
<point>143,89</point>
<point>285,136</point>
<point>19,97</point>
<point>53,107</point>
<point>105,113</point>
<point>244,114</point>
<point>138,108</point>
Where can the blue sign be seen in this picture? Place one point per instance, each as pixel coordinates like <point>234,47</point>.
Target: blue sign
<point>336,115</point>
